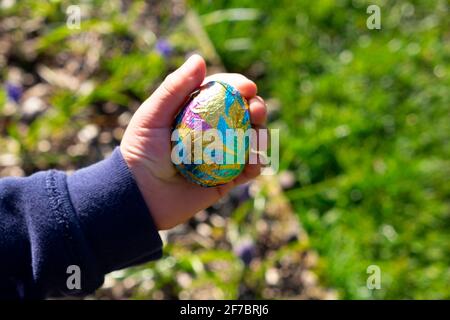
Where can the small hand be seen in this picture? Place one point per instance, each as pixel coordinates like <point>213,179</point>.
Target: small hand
<point>146,145</point>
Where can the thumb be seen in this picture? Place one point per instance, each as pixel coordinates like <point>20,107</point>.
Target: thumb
<point>161,107</point>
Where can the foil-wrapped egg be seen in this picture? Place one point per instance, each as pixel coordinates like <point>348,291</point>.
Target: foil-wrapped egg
<point>210,140</point>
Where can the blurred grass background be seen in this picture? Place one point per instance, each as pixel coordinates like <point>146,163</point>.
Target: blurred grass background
<point>363,117</point>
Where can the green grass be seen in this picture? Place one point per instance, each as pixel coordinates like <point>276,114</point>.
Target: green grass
<point>364,122</point>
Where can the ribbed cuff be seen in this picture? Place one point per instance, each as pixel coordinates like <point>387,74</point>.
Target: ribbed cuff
<point>113,215</point>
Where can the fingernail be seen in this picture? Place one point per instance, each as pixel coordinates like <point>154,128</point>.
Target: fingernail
<point>187,63</point>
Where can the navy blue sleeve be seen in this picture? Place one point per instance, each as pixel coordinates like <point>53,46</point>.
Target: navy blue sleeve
<point>94,219</point>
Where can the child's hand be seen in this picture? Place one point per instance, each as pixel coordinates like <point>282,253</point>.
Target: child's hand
<point>146,145</point>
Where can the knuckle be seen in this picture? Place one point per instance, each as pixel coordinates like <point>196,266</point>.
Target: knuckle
<point>168,85</point>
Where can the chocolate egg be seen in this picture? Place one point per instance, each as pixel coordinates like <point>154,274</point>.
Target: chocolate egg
<point>210,140</point>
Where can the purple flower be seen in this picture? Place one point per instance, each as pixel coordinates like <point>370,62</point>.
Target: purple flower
<point>164,48</point>
<point>241,193</point>
<point>246,251</point>
<point>13,91</point>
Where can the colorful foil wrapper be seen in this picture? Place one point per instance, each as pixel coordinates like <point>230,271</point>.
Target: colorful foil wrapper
<point>224,151</point>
